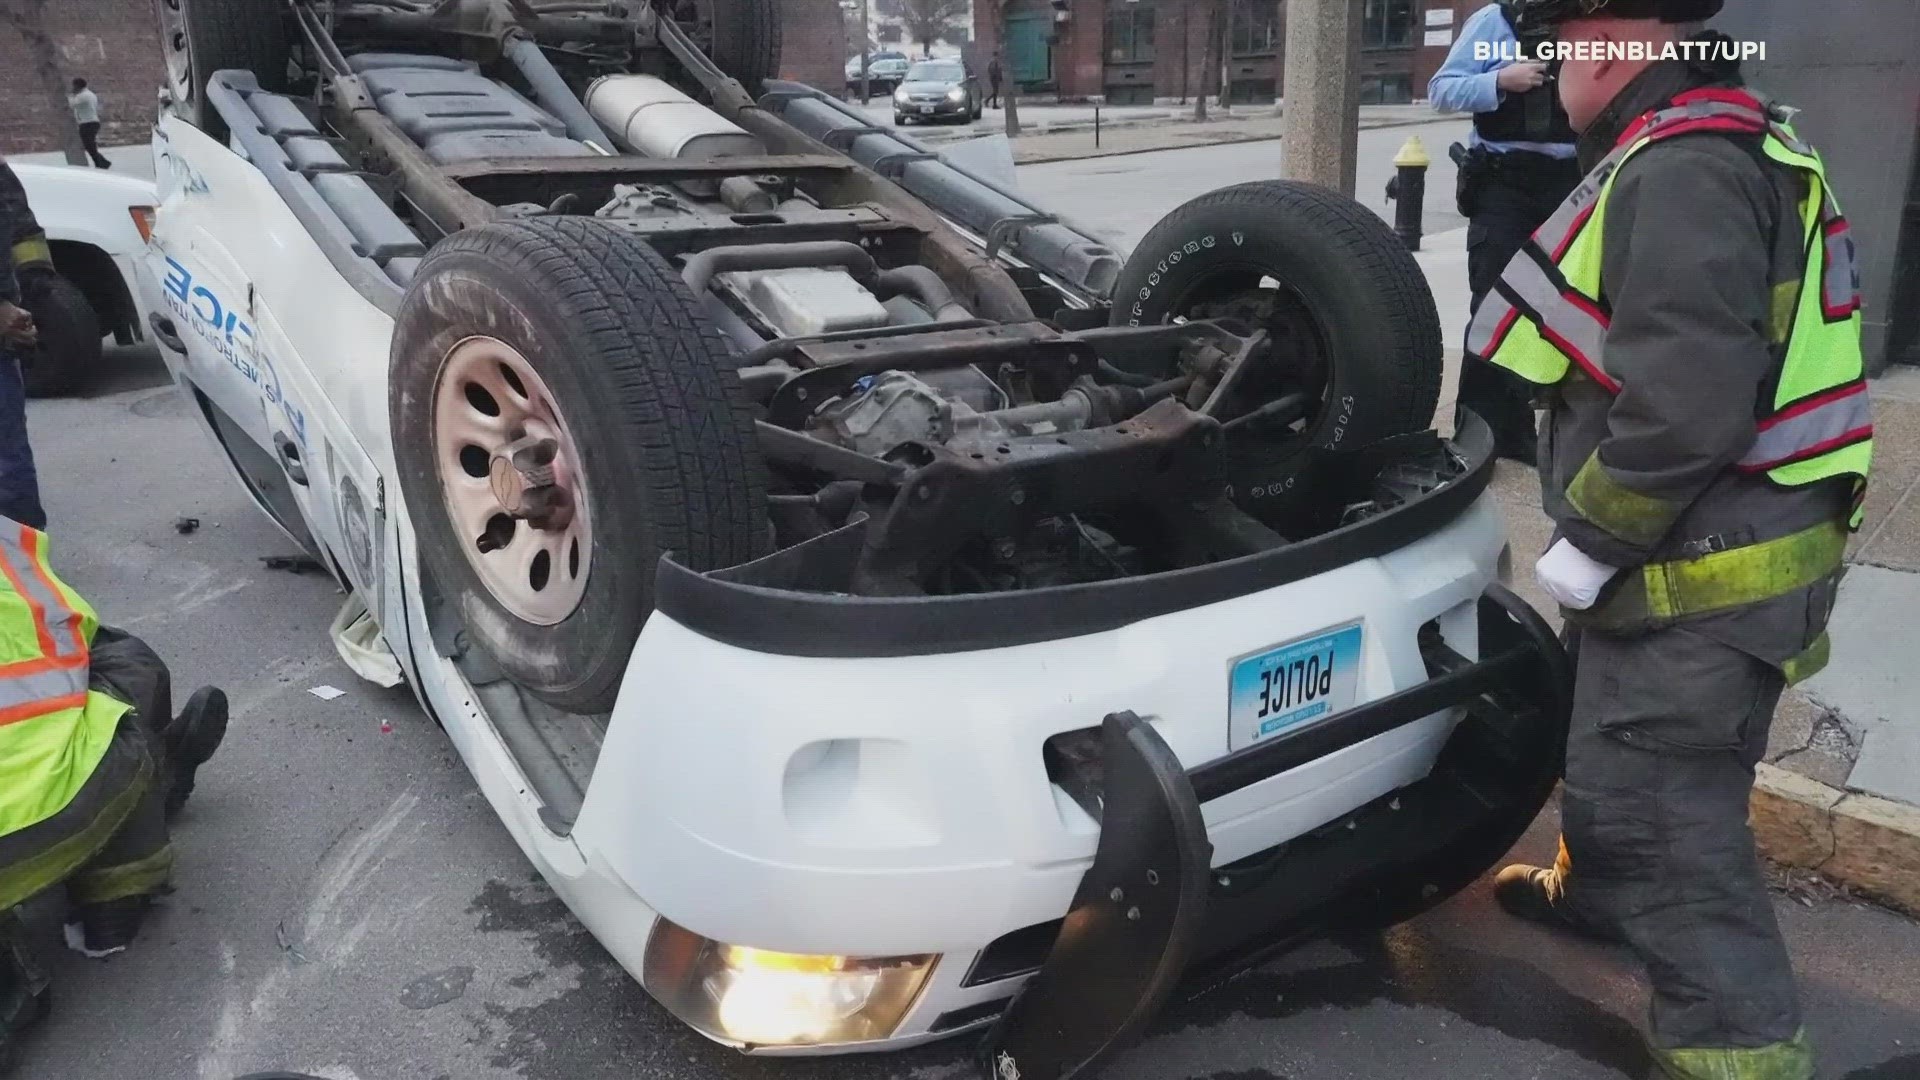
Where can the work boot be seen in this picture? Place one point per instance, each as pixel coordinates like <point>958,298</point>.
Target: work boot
<point>106,927</point>
<point>192,738</point>
<point>1538,894</point>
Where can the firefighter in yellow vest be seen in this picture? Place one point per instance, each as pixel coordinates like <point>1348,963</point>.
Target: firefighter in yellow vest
<point>92,763</point>
<point>1690,317</point>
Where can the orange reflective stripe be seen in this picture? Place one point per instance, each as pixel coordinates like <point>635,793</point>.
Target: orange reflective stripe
<point>27,710</point>
<point>1840,281</point>
<point>42,663</point>
<point>1827,421</point>
<point>35,541</point>
<point>35,608</point>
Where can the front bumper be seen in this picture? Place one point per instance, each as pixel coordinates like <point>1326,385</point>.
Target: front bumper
<point>1152,913</point>
<point>944,107</point>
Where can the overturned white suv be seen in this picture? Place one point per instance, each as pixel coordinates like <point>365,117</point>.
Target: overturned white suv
<point>857,589</point>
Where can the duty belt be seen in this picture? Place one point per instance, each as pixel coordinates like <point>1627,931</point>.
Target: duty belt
<point>1721,578</point>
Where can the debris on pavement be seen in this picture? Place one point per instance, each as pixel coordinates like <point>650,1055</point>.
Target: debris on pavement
<point>296,564</point>
<point>185,525</point>
<point>325,692</point>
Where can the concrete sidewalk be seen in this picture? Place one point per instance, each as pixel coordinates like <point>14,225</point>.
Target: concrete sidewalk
<point>1839,792</point>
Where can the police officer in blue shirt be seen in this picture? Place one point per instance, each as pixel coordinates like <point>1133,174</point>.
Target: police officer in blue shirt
<point>1518,167</point>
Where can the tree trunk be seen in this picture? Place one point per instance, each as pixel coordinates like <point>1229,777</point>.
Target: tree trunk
<point>29,18</point>
<point>1206,61</point>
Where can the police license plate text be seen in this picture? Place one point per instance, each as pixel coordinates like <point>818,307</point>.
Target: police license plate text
<point>1289,686</point>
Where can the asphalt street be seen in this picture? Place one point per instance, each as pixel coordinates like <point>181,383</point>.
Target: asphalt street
<point>347,905</point>
<point>1120,197</point>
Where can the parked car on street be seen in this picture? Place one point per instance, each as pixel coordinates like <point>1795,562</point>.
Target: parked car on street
<point>854,587</point>
<point>937,90</point>
<point>885,69</point>
<point>97,224</point>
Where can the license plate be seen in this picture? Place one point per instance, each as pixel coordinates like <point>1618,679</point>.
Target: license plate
<point>926,109</point>
<point>1289,686</point>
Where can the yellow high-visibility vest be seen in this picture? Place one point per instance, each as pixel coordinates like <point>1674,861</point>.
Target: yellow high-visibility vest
<point>53,730</point>
<point>1549,313</point>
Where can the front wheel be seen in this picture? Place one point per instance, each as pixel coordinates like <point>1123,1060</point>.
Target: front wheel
<point>1354,334</point>
<point>70,339</point>
<point>200,37</point>
<point>564,414</point>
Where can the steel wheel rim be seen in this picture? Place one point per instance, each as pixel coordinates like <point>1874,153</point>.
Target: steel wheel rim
<point>538,575</point>
<point>179,52</point>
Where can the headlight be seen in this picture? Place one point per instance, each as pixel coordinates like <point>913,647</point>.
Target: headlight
<point>900,95</point>
<point>956,95</point>
<point>762,998</point>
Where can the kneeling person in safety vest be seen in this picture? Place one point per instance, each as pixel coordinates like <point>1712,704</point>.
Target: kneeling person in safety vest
<point>92,763</point>
<point>1690,317</point>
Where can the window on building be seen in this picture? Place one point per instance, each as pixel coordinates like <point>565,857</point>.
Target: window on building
<point>1256,27</point>
<point>1129,31</point>
<point>1387,24</point>
<point>1386,89</point>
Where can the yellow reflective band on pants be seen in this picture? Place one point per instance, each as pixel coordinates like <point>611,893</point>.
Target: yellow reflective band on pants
<point>139,877</point>
<point>26,878</point>
<point>1810,661</point>
<point>1638,519</point>
<point>1661,593</point>
<point>1781,1061</point>
<point>31,252</point>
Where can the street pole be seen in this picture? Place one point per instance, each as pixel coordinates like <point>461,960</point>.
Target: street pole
<point>1009,80</point>
<point>866,51</point>
<point>1226,57</point>
<point>1322,93</point>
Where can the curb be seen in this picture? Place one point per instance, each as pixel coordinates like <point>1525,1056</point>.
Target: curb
<point>1869,844</point>
<point>1045,159</point>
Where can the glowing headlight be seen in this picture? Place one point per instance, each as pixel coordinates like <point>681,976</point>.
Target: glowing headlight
<point>956,95</point>
<point>900,95</point>
<point>765,998</point>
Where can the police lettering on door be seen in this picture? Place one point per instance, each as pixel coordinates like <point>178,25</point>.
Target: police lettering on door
<point>217,322</point>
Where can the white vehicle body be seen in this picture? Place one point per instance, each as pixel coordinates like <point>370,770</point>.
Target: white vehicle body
<point>822,813</point>
<point>91,218</point>
<point>854,806</point>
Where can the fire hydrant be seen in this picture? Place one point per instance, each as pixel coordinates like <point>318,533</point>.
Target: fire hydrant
<point>1409,188</point>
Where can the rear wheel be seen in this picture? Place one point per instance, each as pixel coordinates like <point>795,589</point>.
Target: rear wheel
<point>563,415</point>
<point>70,337</point>
<point>1352,325</point>
<point>200,37</point>
<point>741,37</point>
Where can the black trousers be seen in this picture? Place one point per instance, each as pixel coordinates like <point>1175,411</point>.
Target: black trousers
<point>1504,202</point>
<point>1667,729</point>
<point>89,139</point>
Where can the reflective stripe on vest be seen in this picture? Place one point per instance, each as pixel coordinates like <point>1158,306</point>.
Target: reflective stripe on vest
<point>53,731</point>
<point>1548,313</point>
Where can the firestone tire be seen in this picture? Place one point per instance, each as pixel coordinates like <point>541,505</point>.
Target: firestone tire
<point>70,348</point>
<point>1349,309</point>
<point>648,393</point>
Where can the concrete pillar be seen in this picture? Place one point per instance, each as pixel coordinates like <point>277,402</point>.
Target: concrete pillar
<point>1322,92</point>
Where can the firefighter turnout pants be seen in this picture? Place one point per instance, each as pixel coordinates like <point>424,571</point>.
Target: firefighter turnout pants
<point>1667,729</point>
<point>110,841</point>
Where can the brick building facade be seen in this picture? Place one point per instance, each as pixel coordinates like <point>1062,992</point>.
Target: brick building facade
<point>114,45</point>
<point>1144,51</point>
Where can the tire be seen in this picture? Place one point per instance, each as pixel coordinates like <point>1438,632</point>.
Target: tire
<point>1353,320</point>
<point>741,37</point>
<point>200,37</point>
<point>646,395</point>
<point>70,337</point>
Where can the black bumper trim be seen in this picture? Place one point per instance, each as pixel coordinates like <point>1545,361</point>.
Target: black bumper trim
<point>1134,910</point>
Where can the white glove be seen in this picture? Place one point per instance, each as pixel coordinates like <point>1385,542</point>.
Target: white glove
<point>1572,578</point>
